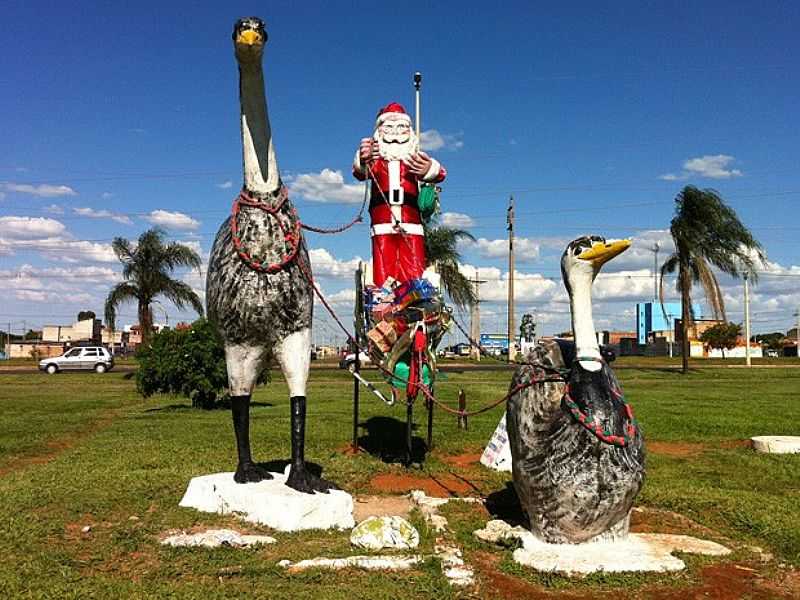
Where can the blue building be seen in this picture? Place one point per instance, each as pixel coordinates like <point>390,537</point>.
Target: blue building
<point>650,317</point>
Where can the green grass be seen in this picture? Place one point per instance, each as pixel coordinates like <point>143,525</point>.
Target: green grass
<point>83,449</point>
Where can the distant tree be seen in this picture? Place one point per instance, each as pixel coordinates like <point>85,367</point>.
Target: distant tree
<point>86,314</point>
<point>441,251</point>
<point>187,362</point>
<point>527,328</point>
<point>146,268</point>
<point>722,336</point>
<point>773,341</point>
<point>33,335</point>
<point>707,232</point>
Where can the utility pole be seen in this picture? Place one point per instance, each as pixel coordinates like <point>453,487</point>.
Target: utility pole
<point>510,221</point>
<point>654,249</point>
<point>747,319</point>
<point>475,318</point>
<point>797,331</point>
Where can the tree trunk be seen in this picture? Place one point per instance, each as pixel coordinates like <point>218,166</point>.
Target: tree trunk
<point>145,322</point>
<point>685,317</point>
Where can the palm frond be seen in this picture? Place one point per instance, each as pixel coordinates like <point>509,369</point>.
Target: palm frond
<point>181,294</point>
<point>120,293</point>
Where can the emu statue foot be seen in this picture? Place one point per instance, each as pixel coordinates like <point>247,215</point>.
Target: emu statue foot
<point>303,481</point>
<point>250,473</point>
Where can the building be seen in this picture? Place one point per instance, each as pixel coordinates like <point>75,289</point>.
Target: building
<point>87,330</point>
<point>652,322</point>
<point>35,349</point>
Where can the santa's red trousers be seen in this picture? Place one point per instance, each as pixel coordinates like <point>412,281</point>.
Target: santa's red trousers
<point>398,255</point>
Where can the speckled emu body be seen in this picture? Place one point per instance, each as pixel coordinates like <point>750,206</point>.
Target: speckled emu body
<point>572,486</point>
<point>251,307</point>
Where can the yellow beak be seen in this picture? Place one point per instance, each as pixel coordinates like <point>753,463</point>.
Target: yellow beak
<point>250,38</point>
<point>600,253</point>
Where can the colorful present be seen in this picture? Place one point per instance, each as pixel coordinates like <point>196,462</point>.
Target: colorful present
<point>383,335</point>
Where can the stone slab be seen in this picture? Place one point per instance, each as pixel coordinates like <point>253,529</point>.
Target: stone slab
<point>368,563</point>
<point>214,538</point>
<point>637,552</point>
<point>378,533</point>
<point>776,444</point>
<point>270,503</point>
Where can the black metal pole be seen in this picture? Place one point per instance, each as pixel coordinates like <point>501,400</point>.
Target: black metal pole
<point>357,369</point>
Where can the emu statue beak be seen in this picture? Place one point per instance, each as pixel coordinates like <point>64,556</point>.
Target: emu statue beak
<point>600,253</point>
<point>249,38</point>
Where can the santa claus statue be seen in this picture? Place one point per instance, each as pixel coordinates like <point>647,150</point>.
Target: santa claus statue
<point>396,167</point>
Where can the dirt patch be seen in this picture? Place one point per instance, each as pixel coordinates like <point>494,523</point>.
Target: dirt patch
<point>381,506</point>
<point>686,449</point>
<point>654,520</point>
<point>727,581</point>
<point>441,486</point>
<point>53,448</point>
<point>676,449</point>
<point>463,460</point>
<point>503,586</point>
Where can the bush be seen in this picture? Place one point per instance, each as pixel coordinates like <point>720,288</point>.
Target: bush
<point>186,362</point>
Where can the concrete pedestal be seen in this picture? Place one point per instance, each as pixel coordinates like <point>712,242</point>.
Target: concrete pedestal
<point>270,503</point>
<point>777,444</point>
<point>636,552</point>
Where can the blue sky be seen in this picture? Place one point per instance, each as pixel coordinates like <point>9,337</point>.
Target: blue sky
<point>116,118</point>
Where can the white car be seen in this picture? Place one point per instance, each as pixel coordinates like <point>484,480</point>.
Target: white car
<point>349,360</point>
<point>86,358</point>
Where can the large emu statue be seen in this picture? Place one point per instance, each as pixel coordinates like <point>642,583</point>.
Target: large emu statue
<point>577,456</point>
<point>258,290</point>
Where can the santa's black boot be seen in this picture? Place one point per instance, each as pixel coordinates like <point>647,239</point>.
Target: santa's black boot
<point>246,470</point>
<point>299,477</point>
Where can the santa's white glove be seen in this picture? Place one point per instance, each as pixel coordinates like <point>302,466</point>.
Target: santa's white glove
<point>419,164</point>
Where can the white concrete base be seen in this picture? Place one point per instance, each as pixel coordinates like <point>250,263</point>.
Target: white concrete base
<point>776,444</point>
<point>369,563</point>
<point>270,503</point>
<point>638,552</point>
<point>458,573</point>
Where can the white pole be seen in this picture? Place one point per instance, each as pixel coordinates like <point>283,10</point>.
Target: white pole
<point>747,319</point>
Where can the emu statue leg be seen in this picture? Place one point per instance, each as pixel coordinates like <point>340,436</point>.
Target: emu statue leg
<point>294,355</point>
<point>246,470</point>
<point>243,363</point>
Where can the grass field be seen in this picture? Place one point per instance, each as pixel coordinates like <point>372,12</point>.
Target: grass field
<point>83,449</point>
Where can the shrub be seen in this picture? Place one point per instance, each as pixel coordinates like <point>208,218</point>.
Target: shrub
<point>187,362</point>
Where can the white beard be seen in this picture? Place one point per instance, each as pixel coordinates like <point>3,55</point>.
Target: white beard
<point>395,150</point>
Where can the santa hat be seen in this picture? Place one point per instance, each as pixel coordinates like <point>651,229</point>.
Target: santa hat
<point>392,111</point>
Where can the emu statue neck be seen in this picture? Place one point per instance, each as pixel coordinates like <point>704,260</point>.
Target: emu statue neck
<point>580,301</point>
<point>260,167</point>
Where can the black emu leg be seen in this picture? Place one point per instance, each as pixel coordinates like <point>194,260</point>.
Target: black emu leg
<point>246,470</point>
<point>299,477</point>
<point>409,427</point>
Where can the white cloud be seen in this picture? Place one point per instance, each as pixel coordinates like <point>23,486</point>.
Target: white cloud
<point>102,214</point>
<point>106,195</point>
<point>525,249</point>
<point>324,264</point>
<point>43,190</point>
<point>172,220</point>
<point>54,209</point>
<point>225,185</point>
<point>327,186</point>
<point>712,166</point>
<point>71,251</point>
<point>454,219</point>
<point>433,140</point>
<point>29,227</point>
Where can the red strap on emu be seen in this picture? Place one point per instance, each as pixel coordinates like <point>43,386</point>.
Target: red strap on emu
<point>291,233</point>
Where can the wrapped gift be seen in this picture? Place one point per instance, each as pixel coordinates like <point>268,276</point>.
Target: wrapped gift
<point>383,335</point>
<point>382,310</point>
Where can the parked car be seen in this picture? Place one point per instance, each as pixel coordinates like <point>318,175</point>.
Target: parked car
<point>85,358</point>
<point>348,361</point>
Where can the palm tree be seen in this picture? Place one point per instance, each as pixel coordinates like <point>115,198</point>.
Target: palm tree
<point>146,268</point>
<point>441,251</point>
<point>707,233</point>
